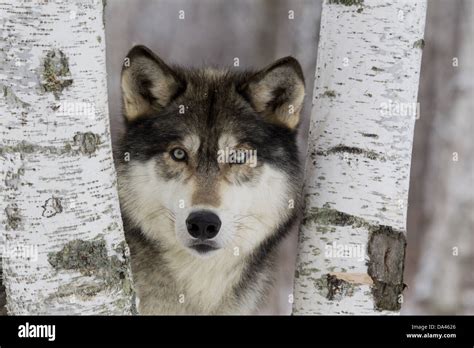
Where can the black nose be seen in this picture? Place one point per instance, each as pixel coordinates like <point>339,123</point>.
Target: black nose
<point>203,224</point>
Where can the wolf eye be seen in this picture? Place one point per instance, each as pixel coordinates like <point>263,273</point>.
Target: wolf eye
<point>178,154</point>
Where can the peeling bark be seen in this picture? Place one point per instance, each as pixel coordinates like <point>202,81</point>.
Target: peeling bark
<point>359,153</point>
<point>386,252</point>
<point>61,232</point>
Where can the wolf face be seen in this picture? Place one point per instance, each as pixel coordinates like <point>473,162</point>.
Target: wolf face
<point>212,153</point>
<point>208,167</point>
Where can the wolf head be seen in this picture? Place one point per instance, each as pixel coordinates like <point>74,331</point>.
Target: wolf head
<point>208,162</point>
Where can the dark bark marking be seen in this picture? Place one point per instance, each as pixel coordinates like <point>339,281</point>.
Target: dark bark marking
<point>419,44</point>
<point>374,68</point>
<point>329,93</point>
<point>55,75</point>
<point>352,150</point>
<point>87,143</point>
<point>329,216</point>
<point>386,250</point>
<point>346,2</point>
<point>338,288</point>
<point>13,216</point>
<point>370,135</point>
<point>51,207</point>
<point>90,258</point>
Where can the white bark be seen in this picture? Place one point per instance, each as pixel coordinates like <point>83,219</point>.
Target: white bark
<point>357,169</point>
<point>64,250</point>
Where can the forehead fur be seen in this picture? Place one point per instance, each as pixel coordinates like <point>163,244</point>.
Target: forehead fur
<point>210,84</point>
<point>211,103</point>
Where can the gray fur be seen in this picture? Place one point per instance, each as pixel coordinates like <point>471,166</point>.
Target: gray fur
<point>247,107</point>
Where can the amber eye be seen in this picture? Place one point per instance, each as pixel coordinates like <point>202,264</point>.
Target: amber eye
<point>178,154</point>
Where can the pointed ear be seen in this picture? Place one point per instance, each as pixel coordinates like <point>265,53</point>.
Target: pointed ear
<point>277,92</point>
<point>147,83</point>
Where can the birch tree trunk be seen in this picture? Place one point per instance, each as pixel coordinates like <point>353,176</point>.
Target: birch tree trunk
<point>63,244</point>
<point>352,239</point>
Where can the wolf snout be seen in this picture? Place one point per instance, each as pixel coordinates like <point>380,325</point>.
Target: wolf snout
<point>203,224</point>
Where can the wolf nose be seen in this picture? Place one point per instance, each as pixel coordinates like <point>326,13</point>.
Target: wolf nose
<point>203,224</point>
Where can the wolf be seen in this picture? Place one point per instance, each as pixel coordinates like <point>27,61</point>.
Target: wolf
<point>203,226</point>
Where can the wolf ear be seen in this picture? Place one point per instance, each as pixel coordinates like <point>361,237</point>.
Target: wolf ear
<point>277,92</point>
<point>147,83</point>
